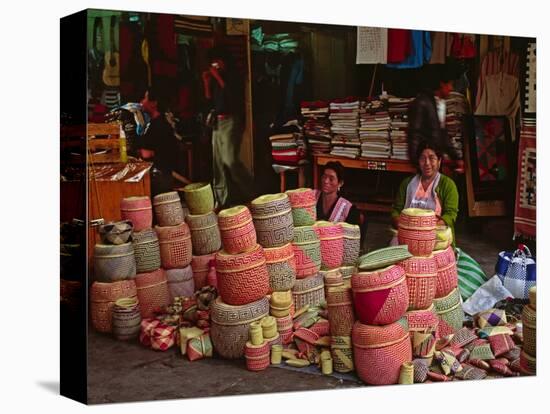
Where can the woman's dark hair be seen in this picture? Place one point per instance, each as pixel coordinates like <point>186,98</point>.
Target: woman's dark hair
<point>424,145</point>
<point>337,167</point>
<point>157,94</point>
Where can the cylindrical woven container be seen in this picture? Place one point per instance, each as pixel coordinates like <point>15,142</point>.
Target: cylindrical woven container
<point>341,350</point>
<point>307,251</point>
<point>308,291</point>
<point>332,278</point>
<point>443,237</point>
<point>230,325</point>
<point>380,297</point>
<point>379,351</point>
<point>168,209</point>
<point>340,311</point>
<point>417,230</point>
<point>280,304</point>
<point>533,296</point>
<point>138,210</point>
<point>242,278</point>
<point>102,300</point>
<point>205,234</point>
<point>118,232</point>
<point>422,320</point>
<point>199,198</point>
<point>447,273</point>
<point>281,266</point>
<point>272,217</point>
<point>303,202</point>
<point>114,262</point>
<point>450,313</point>
<point>347,272</point>
<point>257,356</point>
<point>406,374</point>
<point>276,354</point>
<point>126,319</point>
<point>256,333</point>
<point>421,273</point>
<point>237,230</point>
<point>146,250</point>
<point>152,292</point>
<point>284,327</point>
<point>176,250</point>
<point>269,327</point>
<point>180,282</point>
<point>529,320</point>
<point>331,236</point>
<point>200,267</point>
<point>352,243</point>
<point>527,363</point>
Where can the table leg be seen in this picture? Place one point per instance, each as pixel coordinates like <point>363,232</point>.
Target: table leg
<point>190,164</point>
<point>315,175</point>
<point>301,177</point>
<point>283,181</point>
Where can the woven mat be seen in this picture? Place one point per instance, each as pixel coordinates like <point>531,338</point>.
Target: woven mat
<point>315,370</point>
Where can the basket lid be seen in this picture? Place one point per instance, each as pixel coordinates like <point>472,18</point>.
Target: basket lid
<point>225,314</point>
<point>378,279</point>
<point>233,211</point>
<point>268,198</point>
<point>386,256</point>
<point>417,212</point>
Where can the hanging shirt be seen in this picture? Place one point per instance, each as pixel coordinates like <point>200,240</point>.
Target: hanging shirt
<point>438,47</point>
<point>399,45</point>
<point>420,54</point>
<point>493,63</point>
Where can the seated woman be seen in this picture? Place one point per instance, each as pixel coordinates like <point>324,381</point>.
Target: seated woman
<point>330,205</point>
<point>429,189</point>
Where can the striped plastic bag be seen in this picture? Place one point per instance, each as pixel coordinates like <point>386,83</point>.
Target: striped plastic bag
<point>470,274</point>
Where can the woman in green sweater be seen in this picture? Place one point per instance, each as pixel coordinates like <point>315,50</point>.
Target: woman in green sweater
<point>429,189</point>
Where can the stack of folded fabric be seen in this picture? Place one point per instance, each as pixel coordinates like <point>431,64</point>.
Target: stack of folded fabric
<point>457,107</point>
<point>317,126</point>
<point>285,149</point>
<point>344,117</point>
<point>399,125</point>
<point>374,129</point>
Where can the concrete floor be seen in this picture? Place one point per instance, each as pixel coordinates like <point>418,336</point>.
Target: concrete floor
<point>123,372</point>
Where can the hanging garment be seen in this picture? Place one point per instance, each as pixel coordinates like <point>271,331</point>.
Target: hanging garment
<point>531,79</point>
<point>493,63</point>
<point>421,51</point>
<point>463,46</point>
<point>438,47</point>
<point>525,217</point>
<point>399,45</point>
<point>372,45</point>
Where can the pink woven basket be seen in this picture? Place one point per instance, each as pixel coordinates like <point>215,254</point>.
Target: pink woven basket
<point>200,267</point>
<point>176,250</point>
<point>417,219</point>
<point>379,351</point>
<point>421,275</point>
<point>419,242</point>
<point>331,236</point>
<point>303,202</point>
<point>237,230</point>
<point>380,297</point>
<point>422,320</point>
<point>340,311</point>
<point>152,292</point>
<point>257,357</point>
<point>168,209</point>
<point>138,210</point>
<point>447,273</point>
<point>102,300</point>
<point>281,266</point>
<point>242,278</point>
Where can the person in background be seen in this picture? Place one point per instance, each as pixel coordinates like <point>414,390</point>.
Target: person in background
<point>427,114</point>
<point>428,189</point>
<point>223,88</point>
<point>159,145</point>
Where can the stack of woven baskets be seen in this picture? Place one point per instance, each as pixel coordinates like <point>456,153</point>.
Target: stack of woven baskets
<point>528,356</point>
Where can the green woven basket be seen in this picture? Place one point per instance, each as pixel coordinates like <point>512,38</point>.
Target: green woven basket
<point>380,258</point>
<point>199,198</point>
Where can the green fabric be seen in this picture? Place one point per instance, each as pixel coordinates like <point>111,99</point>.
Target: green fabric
<point>448,197</point>
<point>470,274</point>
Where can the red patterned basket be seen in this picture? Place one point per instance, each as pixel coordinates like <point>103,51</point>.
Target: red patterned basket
<point>332,278</point>
<point>138,210</point>
<point>321,327</point>
<point>205,234</point>
<point>152,292</point>
<point>308,291</point>
<point>380,297</point>
<point>180,282</point>
<point>257,356</point>
<point>307,251</point>
<point>331,236</point>
<point>340,311</point>
<point>102,300</point>
<point>200,267</point>
<point>417,219</point>
<point>447,273</point>
<point>272,216</point>
<point>284,323</point>
<point>379,351</point>
<point>422,320</point>
<point>281,266</point>
<point>303,202</point>
<point>176,250</point>
<point>421,275</point>
<point>419,242</point>
<point>230,325</point>
<point>242,278</point>
<point>237,230</point>
<point>168,209</point>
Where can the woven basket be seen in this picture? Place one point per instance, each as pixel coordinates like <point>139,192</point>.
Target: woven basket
<point>257,356</point>
<point>199,198</point>
<point>419,242</point>
<point>273,221</point>
<point>138,210</point>
<point>230,325</point>
<point>118,232</point>
<point>332,278</point>
<point>200,267</point>
<point>269,327</point>
<point>450,313</point>
<point>529,320</point>
<point>152,291</point>
<point>447,273</point>
<point>331,236</point>
<point>114,262</point>
<point>146,251</point>
<point>307,251</point>
<point>308,291</point>
<point>303,202</point>
<point>423,320</point>
<point>528,364</point>
<point>180,282</point>
<point>126,319</point>
<point>380,258</point>
<point>102,300</point>
<point>379,351</point>
<point>168,209</point>
<point>417,219</point>
<point>340,311</point>
<point>281,266</point>
<point>205,234</point>
<point>352,243</point>
<point>347,272</point>
<point>176,250</point>
<point>341,350</point>
<point>443,237</point>
<point>280,304</point>
<point>533,296</point>
<point>421,275</point>
<point>380,297</point>
<point>242,278</point>
<point>237,230</point>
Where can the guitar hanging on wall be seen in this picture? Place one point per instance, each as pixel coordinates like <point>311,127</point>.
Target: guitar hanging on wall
<point>111,71</point>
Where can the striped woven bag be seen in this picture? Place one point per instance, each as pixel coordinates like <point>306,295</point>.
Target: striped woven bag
<point>470,274</point>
